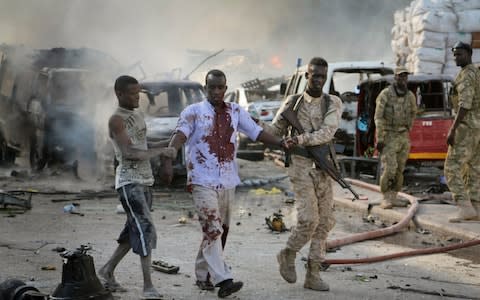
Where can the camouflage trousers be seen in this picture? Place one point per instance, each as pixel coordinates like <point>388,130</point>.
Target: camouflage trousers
<point>314,202</point>
<point>213,209</point>
<point>394,157</point>
<point>462,165</point>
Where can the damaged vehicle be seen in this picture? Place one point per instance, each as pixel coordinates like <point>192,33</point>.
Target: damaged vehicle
<point>60,113</point>
<point>162,102</point>
<point>343,80</point>
<point>49,99</point>
<point>430,128</point>
<point>262,103</point>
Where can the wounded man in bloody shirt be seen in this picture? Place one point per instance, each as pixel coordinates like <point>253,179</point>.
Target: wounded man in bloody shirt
<point>209,129</point>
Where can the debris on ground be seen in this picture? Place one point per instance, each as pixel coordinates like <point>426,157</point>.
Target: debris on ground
<point>59,249</point>
<point>48,268</point>
<point>260,191</point>
<point>165,267</point>
<point>10,198</point>
<point>361,277</point>
<point>120,209</point>
<point>73,208</point>
<point>275,222</point>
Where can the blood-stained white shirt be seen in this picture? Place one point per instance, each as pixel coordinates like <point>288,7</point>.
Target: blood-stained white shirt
<point>211,145</point>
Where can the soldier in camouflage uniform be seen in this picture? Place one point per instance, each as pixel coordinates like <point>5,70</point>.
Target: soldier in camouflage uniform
<point>394,114</point>
<point>462,165</point>
<point>319,114</point>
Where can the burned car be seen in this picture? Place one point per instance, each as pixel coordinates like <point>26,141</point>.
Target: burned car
<point>429,132</point>
<point>162,102</point>
<point>430,128</point>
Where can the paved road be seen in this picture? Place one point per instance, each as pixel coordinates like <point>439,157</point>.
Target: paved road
<point>26,241</point>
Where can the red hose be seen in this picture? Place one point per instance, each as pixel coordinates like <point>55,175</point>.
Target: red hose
<point>345,261</point>
<point>387,231</point>
<point>357,237</point>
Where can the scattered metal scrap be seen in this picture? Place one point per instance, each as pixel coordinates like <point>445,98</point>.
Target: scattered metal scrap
<point>165,267</point>
<point>249,182</point>
<point>275,222</point>
<point>15,289</point>
<point>9,199</point>
<point>441,292</point>
<point>88,195</point>
<point>79,280</point>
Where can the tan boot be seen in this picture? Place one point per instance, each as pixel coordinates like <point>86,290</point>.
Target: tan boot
<point>386,201</point>
<point>476,205</point>
<point>286,260</point>
<point>398,202</point>
<point>313,280</point>
<point>465,212</point>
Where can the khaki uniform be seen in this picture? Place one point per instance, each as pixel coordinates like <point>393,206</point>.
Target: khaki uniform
<point>394,116</point>
<point>312,187</point>
<point>462,165</point>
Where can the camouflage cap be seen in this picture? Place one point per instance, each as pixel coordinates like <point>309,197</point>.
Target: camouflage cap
<point>400,70</point>
<point>462,45</point>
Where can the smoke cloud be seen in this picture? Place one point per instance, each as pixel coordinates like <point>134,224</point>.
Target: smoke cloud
<point>260,38</point>
<point>158,33</point>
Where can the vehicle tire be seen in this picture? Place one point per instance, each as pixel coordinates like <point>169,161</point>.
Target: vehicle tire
<point>242,142</point>
<point>252,155</point>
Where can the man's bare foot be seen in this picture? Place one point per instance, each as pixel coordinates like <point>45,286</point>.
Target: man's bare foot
<point>151,294</point>
<point>109,282</point>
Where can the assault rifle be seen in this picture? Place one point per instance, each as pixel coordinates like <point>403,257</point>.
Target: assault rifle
<point>318,153</point>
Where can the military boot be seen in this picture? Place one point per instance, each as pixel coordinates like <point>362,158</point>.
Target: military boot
<point>312,278</point>
<point>465,212</point>
<point>398,202</point>
<point>286,260</point>
<point>476,205</point>
<point>387,200</point>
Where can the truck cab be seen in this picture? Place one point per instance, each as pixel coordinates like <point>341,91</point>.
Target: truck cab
<point>430,128</point>
<point>343,80</point>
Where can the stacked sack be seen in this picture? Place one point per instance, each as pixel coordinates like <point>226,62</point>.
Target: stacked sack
<point>425,31</point>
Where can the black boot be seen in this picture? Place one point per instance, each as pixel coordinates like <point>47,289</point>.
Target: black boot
<point>228,287</point>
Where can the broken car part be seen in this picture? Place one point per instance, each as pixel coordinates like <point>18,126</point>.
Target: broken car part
<point>79,280</point>
<point>165,267</point>
<point>9,199</point>
<point>15,289</point>
<point>275,222</point>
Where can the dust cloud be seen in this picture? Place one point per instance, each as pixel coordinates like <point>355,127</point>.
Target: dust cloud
<point>160,34</point>
<point>260,38</point>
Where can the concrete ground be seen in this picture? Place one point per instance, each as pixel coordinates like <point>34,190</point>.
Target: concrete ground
<point>27,240</point>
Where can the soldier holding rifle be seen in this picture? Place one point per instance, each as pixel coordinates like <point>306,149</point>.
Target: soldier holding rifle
<point>319,115</point>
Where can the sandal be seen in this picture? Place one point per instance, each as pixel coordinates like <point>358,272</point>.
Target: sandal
<point>165,267</point>
<point>112,286</point>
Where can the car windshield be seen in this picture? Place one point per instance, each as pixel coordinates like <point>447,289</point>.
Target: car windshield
<point>169,101</point>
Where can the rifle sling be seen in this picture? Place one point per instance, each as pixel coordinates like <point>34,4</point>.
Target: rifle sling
<point>295,106</point>
<point>301,152</point>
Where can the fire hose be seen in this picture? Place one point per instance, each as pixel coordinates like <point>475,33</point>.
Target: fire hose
<point>387,231</point>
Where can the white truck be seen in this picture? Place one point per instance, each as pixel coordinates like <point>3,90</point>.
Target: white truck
<point>343,80</point>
